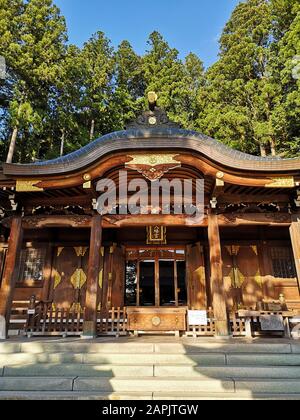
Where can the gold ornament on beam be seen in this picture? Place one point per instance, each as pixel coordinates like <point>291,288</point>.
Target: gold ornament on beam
<point>87,181</point>
<point>28,185</point>
<point>153,166</point>
<point>281,182</point>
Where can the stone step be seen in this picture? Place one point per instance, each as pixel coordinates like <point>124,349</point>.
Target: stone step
<point>152,385</point>
<point>148,371</point>
<point>245,395</point>
<point>268,386</point>
<point>144,396</point>
<point>65,370</point>
<point>36,384</point>
<point>202,359</point>
<point>188,385</point>
<point>229,348</point>
<point>221,372</point>
<point>120,347</point>
<point>179,387</point>
<point>75,396</point>
<point>192,359</point>
<point>263,359</point>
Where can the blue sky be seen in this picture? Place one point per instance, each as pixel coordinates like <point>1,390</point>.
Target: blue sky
<point>188,25</point>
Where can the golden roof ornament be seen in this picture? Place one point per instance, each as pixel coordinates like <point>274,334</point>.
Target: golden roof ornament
<point>154,117</point>
<point>152,99</point>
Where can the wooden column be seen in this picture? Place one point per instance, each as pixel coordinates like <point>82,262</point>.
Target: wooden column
<point>91,300</point>
<point>9,274</point>
<point>217,285</point>
<point>295,238</point>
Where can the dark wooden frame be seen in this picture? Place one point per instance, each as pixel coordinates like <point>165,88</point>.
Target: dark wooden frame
<point>156,258</point>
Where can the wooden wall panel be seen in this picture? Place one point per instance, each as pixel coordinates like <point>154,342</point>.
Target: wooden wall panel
<point>68,272</point>
<point>106,275</point>
<point>196,277</point>
<point>249,275</point>
<point>228,274</point>
<point>242,275</point>
<point>118,277</point>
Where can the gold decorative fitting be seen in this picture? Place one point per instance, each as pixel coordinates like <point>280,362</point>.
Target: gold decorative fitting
<point>152,120</point>
<point>254,249</point>
<point>80,250</point>
<point>112,248</point>
<point>28,185</point>
<point>220,175</point>
<point>156,321</point>
<point>152,97</point>
<point>60,250</point>
<point>76,307</point>
<point>153,166</point>
<point>57,280</point>
<point>78,279</point>
<point>235,249</point>
<point>101,279</point>
<point>88,183</point>
<point>87,177</point>
<point>282,182</point>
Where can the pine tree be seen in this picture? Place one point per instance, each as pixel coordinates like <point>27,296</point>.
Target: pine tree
<point>128,95</point>
<point>286,67</point>
<point>163,73</point>
<point>34,57</point>
<point>98,64</point>
<point>241,96</point>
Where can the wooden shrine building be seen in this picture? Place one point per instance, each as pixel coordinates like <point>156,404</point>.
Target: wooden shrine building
<point>65,269</point>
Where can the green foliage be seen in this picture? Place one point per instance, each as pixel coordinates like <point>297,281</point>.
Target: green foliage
<point>58,97</point>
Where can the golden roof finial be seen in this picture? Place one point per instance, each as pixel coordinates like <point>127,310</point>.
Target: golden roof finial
<point>152,99</point>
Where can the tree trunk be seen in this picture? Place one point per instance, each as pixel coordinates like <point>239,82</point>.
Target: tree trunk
<point>273,147</point>
<point>92,131</point>
<point>12,145</point>
<point>62,142</point>
<point>263,151</point>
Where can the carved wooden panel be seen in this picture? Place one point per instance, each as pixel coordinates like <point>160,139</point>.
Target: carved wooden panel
<point>157,319</point>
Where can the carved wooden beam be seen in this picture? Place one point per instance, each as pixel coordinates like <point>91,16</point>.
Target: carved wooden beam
<point>265,219</point>
<point>116,221</point>
<point>40,222</point>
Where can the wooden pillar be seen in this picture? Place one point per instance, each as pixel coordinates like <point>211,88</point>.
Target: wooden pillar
<point>91,300</point>
<point>295,238</point>
<point>217,285</point>
<point>9,274</point>
<point>48,272</point>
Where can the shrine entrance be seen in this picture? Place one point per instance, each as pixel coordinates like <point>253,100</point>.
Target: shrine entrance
<point>156,277</point>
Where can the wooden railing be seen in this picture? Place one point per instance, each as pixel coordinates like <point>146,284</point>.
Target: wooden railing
<point>45,320</point>
<point>112,322</point>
